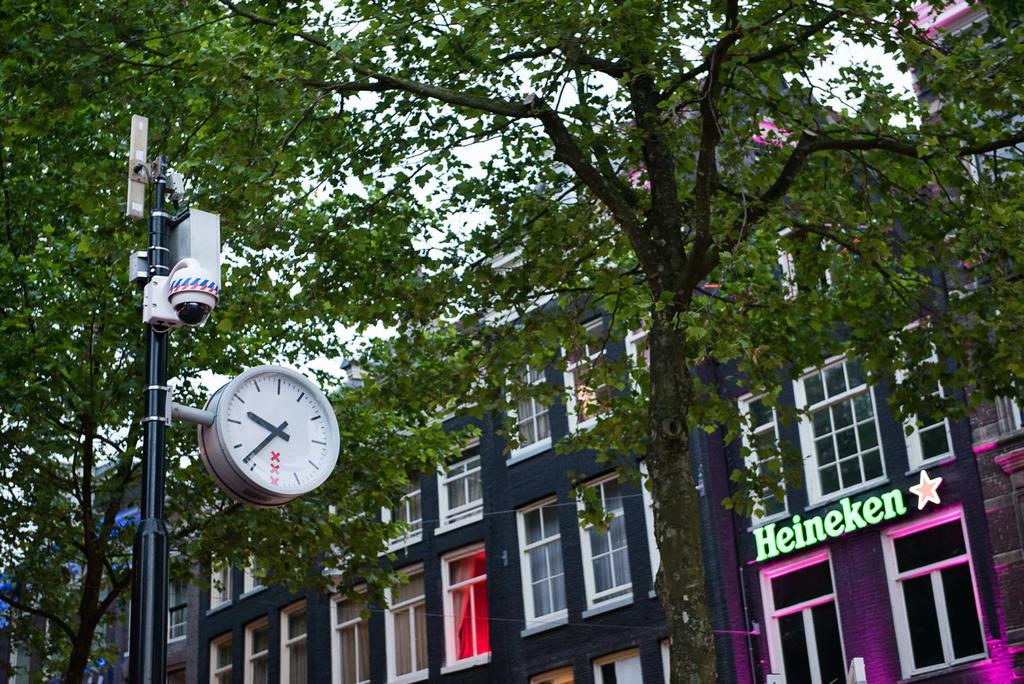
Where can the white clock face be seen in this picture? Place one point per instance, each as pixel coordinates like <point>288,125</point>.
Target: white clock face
<point>275,436</point>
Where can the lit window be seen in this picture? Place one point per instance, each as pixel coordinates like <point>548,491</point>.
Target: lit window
<point>177,610</point>
<point>531,417</point>
<point>351,642</point>
<point>605,552</point>
<point>220,660</point>
<point>588,395</point>
<point>803,627</point>
<point>257,650</point>
<point>652,543</point>
<point>841,435</point>
<point>541,563</point>
<point>619,668</point>
<point>461,494</point>
<point>407,628</point>
<point>409,511</point>
<point>465,594</point>
<point>294,659</point>
<point>762,442</point>
<point>560,676</point>
<point>931,584</point>
<point>220,584</point>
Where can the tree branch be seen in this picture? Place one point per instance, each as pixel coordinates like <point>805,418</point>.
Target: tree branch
<point>414,88</point>
<point>31,610</point>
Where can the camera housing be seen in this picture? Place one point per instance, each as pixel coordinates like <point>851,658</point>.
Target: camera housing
<point>186,296</point>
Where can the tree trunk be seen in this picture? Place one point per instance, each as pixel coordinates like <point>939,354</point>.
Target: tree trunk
<point>78,661</point>
<point>677,521</point>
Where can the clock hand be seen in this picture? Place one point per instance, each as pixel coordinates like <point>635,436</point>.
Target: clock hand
<point>266,441</point>
<point>279,431</point>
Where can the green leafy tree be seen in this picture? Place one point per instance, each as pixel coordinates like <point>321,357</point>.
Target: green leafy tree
<point>481,177</point>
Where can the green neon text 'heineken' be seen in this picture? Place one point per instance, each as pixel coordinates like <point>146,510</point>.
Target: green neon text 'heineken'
<point>776,539</point>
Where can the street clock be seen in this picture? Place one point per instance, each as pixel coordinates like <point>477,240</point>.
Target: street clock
<point>273,437</point>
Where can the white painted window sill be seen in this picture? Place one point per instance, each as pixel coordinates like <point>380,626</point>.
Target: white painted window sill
<point>442,529</point>
<point>175,640</point>
<point>401,545</point>
<point>219,607</point>
<point>252,592</point>
<point>475,661</point>
<point>761,522</point>
<point>934,463</point>
<point>548,622</point>
<point>843,493</point>
<point>527,452</point>
<point>419,676</point>
<point>610,605</point>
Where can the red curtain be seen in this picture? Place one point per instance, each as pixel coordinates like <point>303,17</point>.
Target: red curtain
<point>467,625</point>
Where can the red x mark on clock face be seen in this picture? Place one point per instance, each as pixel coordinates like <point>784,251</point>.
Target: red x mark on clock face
<point>275,466</point>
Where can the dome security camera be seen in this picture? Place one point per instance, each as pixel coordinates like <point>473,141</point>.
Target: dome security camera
<point>186,296</point>
<point>192,291</point>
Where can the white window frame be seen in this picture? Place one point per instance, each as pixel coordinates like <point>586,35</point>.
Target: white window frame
<point>171,607</point>
<point>569,380</point>
<point>524,451</point>
<point>411,536</point>
<point>215,645</point>
<point>251,657</point>
<point>899,608</point>
<point>808,448</point>
<point>356,624</point>
<point>1008,414</point>
<point>529,610</point>
<point>752,459</point>
<point>613,658</point>
<point>634,343</point>
<point>652,542</point>
<point>619,592</point>
<point>220,574</point>
<point>288,642</point>
<point>915,450</point>
<point>407,608</point>
<point>665,660</point>
<point>771,618</point>
<point>251,580</point>
<point>469,512</point>
<point>449,607</point>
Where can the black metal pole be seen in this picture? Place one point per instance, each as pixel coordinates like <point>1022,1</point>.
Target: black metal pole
<point>148,643</point>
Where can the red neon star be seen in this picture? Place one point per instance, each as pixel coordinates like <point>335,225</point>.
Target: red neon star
<point>926,490</point>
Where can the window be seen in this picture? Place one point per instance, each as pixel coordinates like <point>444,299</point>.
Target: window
<point>652,543</point>
<point>462,497</point>
<point>803,625</point>
<point>257,650</point>
<point>841,436</point>
<point>220,584</point>
<point>351,642</point>
<point>605,552</point>
<point>220,660</point>
<point>409,511</point>
<point>177,610</point>
<point>619,668</point>
<point>294,658</point>
<point>931,584</point>
<point>407,630</point>
<point>1009,414</point>
<point>560,676</point>
<point>588,396</point>
<point>176,677</point>
<point>638,347</point>
<point>929,439</point>
<point>252,578</point>
<point>543,576</point>
<point>532,424</point>
<point>467,632</point>
<point>762,440</point>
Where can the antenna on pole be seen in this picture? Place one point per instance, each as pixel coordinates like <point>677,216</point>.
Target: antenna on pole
<point>138,171</point>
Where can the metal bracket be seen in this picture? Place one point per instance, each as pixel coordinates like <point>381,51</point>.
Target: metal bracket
<point>138,268</point>
<point>145,172</point>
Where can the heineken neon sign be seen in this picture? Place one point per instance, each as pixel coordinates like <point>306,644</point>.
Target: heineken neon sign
<point>776,539</point>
